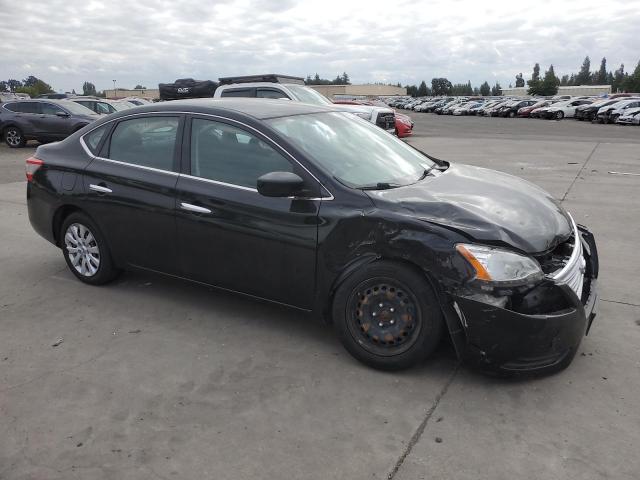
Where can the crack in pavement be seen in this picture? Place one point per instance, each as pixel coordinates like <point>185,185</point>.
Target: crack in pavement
<point>620,303</point>
<point>579,172</point>
<point>415,438</point>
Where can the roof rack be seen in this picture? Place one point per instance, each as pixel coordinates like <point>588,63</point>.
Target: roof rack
<point>269,77</point>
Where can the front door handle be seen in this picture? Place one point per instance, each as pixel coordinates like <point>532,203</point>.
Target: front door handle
<point>100,188</point>
<point>194,208</point>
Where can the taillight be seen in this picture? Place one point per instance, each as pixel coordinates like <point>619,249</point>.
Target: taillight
<point>31,166</point>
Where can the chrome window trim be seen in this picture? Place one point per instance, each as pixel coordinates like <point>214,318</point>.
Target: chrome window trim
<point>241,187</point>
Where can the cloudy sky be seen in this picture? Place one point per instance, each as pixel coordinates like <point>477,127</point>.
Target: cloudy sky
<point>66,42</point>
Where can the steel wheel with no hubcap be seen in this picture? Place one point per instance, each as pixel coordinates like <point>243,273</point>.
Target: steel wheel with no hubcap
<point>384,316</point>
<point>82,249</point>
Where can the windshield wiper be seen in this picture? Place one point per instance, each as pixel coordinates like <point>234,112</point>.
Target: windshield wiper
<point>380,186</point>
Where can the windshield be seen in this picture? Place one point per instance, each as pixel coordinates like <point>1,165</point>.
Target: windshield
<point>309,95</point>
<point>355,152</point>
<point>76,108</point>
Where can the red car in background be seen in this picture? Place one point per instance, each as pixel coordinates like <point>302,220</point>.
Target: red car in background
<point>526,111</point>
<point>404,124</point>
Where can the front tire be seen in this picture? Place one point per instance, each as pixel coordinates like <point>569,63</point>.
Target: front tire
<point>559,115</point>
<point>387,316</point>
<point>14,137</point>
<point>85,250</point>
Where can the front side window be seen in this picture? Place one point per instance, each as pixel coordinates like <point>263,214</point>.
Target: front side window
<point>50,109</point>
<point>146,141</point>
<point>355,152</point>
<point>228,154</point>
<point>104,108</point>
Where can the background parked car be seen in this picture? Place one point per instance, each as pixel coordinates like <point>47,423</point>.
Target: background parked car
<point>511,109</point>
<point>566,109</point>
<point>526,111</point>
<point>588,112</point>
<point>621,110</point>
<point>604,113</point>
<point>630,117</point>
<point>42,119</point>
<point>102,106</point>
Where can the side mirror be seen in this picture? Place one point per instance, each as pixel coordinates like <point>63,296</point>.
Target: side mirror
<point>62,114</point>
<point>279,184</point>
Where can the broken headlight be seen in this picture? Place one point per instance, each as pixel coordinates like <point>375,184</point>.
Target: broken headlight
<point>499,267</point>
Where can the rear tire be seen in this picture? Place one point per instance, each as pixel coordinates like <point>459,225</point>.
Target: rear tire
<point>559,115</point>
<point>14,137</point>
<point>387,316</point>
<point>86,251</point>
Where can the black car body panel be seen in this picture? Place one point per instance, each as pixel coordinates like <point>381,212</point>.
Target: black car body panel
<point>298,250</point>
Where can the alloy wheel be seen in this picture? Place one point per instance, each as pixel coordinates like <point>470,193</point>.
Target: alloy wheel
<point>13,137</point>
<point>82,249</point>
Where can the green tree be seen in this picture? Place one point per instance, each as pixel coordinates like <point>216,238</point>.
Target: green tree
<point>4,86</point>
<point>547,86</point>
<point>485,89</point>
<point>496,90</point>
<point>584,76</point>
<point>441,86</point>
<point>632,82</point>
<point>88,88</point>
<point>34,86</point>
<point>422,89</point>
<point>13,84</point>
<point>536,72</point>
<point>564,81</point>
<point>412,90</point>
<point>601,77</point>
<point>519,80</point>
<point>619,77</point>
<point>139,87</point>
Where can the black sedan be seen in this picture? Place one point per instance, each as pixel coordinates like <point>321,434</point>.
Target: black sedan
<point>322,211</point>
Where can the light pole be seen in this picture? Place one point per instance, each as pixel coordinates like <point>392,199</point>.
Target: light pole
<point>115,95</point>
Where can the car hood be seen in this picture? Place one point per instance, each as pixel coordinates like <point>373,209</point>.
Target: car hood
<point>486,205</point>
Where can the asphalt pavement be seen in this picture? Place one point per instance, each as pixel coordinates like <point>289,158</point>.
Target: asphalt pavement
<point>151,377</point>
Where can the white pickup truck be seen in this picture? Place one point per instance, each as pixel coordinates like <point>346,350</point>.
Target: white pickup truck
<point>293,88</point>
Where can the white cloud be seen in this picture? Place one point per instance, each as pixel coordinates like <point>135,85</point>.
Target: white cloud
<point>66,42</point>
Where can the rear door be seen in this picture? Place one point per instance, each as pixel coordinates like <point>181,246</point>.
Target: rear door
<point>230,235</point>
<point>53,121</point>
<point>130,189</point>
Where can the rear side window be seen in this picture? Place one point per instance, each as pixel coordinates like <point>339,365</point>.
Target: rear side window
<point>92,139</point>
<point>238,92</point>
<point>270,93</point>
<point>147,142</point>
<point>13,107</point>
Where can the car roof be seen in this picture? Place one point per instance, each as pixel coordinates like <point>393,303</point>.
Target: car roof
<point>253,107</point>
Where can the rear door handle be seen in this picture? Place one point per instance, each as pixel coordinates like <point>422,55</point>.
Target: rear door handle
<point>194,208</point>
<point>100,188</point>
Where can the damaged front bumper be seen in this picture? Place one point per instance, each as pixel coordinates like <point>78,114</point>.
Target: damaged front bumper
<point>541,330</point>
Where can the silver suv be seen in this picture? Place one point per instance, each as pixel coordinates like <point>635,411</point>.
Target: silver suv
<point>293,88</point>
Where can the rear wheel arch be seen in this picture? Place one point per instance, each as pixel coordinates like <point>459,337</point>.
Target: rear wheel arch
<point>59,217</point>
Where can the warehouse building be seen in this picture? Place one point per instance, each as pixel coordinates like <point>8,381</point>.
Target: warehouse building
<point>359,91</point>
<point>148,93</point>
<point>574,91</point>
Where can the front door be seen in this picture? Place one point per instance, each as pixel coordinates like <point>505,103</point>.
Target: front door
<point>229,235</point>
